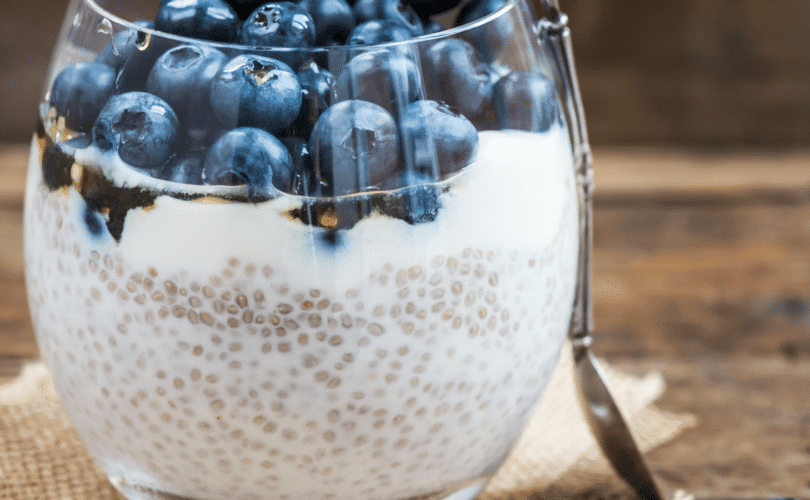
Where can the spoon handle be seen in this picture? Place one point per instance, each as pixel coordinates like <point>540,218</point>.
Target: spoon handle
<point>608,426</point>
<point>603,416</point>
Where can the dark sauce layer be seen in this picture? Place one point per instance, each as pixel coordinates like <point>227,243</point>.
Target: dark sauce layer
<point>111,204</point>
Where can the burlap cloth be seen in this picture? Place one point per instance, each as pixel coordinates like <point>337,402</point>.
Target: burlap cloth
<point>41,457</point>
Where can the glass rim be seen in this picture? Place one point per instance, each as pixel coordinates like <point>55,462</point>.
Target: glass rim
<point>448,33</point>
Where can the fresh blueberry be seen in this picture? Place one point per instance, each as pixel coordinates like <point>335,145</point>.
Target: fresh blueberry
<point>427,8</point>
<point>490,38</point>
<point>305,179</point>
<point>385,77</point>
<point>457,76</point>
<point>333,19</point>
<point>182,77</point>
<point>124,44</point>
<point>141,127</point>
<point>281,24</point>
<point>436,140</point>
<point>249,156</point>
<point>80,92</point>
<point>132,53</point>
<point>525,100</point>
<point>354,146</point>
<point>256,91</point>
<point>415,198</point>
<point>373,32</point>
<point>203,19</point>
<point>196,139</point>
<point>388,10</point>
<point>188,170</point>
<point>317,94</point>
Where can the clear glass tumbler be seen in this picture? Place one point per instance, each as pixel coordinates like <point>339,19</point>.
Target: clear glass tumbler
<point>335,272</point>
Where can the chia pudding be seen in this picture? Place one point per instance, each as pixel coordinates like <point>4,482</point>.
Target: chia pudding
<point>220,341</point>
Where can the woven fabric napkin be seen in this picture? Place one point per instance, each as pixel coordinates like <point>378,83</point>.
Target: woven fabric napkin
<point>41,457</point>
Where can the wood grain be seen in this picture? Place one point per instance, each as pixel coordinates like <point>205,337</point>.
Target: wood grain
<point>753,434</point>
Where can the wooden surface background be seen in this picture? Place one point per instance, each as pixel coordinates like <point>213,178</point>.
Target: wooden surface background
<point>713,74</point>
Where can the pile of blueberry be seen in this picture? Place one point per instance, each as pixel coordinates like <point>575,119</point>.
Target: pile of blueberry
<point>267,114</point>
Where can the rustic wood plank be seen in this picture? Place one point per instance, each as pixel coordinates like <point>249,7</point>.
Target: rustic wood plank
<point>635,176</point>
<point>752,438</point>
<point>16,335</point>
<point>702,279</point>
<point>13,164</point>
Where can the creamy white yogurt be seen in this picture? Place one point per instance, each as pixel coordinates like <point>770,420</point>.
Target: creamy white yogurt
<point>224,350</point>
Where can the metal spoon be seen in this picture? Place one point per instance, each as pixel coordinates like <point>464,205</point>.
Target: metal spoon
<point>603,416</point>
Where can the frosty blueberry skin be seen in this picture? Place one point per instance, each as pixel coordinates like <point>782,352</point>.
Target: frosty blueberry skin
<point>81,91</point>
<point>281,24</point>
<point>182,77</point>
<point>354,146</point>
<point>459,77</point>
<point>256,91</point>
<point>140,127</point>
<point>251,157</point>
<point>440,139</point>
<point>202,19</point>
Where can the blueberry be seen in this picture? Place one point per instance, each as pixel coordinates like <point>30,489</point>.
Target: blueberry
<point>456,75</point>
<point>182,77</point>
<point>203,19</point>
<point>354,146</point>
<point>525,100</point>
<point>317,94</point>
<point>123,45</point>
<point>305,179</point>
<point>427,8</point>
<point>141,127</point>
<point>281,24</point>
<point>188,170</point>
<point>490,38</point>
<point>80,92</point>
<point>249,156</point>
<point>385,77</point>
<point>256,91</point>
<point>373,32</point>
<point>439,141</point>
<point>333,19</point>
<point>388,10</point>
<point>416,199</point>
<point>132,53</point>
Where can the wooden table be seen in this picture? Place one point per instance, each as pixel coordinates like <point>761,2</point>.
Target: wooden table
<point>702,271</point>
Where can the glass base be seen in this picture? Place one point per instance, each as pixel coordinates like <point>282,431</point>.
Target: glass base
<point>467,491</point>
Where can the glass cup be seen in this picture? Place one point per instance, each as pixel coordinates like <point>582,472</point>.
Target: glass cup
<point>339,272</point>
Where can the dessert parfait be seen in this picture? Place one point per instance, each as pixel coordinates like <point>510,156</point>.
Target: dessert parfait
<point>301,251</point>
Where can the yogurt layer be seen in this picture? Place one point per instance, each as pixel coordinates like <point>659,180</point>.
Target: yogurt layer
<point>226,350</point>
